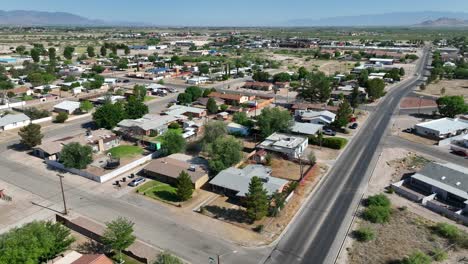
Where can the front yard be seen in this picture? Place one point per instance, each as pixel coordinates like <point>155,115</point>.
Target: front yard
<point>159,191</point>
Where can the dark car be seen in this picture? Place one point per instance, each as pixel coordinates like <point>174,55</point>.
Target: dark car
<point>126,81</point>
<point>137,182</point>
<point>329,132</point>
<point>353,126</point>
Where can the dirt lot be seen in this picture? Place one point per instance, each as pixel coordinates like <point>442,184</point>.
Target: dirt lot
<point>286,169</point>
<point>452,87</point>
<point>396,239</point>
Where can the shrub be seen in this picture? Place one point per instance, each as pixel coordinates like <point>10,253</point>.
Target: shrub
<point>61,117</point>
<point>417,257</point>
<point>258,228</point>
<point>439,254</point>
<point>377,214</point>
<point>452,233</point>
<point>329,142</point>
<point>364,234</point>
<point>378,200</point>
<point>174,126</point>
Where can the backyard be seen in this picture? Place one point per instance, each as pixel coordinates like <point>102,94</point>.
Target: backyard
<point>159,191</point>
<point>125,151</point>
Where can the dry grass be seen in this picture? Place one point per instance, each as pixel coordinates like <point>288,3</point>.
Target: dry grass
<point>417,138</point>
<point>285,169</point>
<point>405,233</point>
<point>452,87</point>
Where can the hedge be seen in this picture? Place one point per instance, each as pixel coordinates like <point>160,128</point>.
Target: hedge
<point>329,142</point>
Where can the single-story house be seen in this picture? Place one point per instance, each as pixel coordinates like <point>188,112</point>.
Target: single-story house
<point>306,128</point>
<point>315,117</point>
<point>290,145</point>
<point>234,182</point>
<point>264,86</point>
<point>149,123</point>
<point>12,121</point>
<point>68,107</point>
<point>442,128</point>
<point>182,110</point>
<point>99,140</point>
<point>234,128</point>
<point>315,107</point>
<point>203,101</point>
<point>167,170</point>
<point>232,99</point>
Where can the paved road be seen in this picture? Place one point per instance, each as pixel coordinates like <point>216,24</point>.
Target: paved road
<point>317,233</point>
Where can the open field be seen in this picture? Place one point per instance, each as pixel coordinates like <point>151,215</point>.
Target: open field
<point>452,87</point>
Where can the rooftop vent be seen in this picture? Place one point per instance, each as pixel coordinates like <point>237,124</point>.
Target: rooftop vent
<point>443,178</point>
<point>458,183</point>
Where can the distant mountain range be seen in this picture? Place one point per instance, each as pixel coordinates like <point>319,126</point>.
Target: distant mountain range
<point>444,22</point>
<point>386,19</point>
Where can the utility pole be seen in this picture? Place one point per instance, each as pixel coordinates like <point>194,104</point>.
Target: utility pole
<point>63,194</point>
<point>420,101</point>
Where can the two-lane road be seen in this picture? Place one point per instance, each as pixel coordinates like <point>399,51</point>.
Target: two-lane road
<point>316,234</point>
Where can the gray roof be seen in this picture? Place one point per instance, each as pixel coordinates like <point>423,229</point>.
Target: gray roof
<point>306,128</point>
<point>310,114</point>
<point>239,179</point>
<point>177,110</point>
<point>445,125</point>
<point>68,105</point>
<point>13,118</point>
<point>148,122</point>
<point>449,177</point>
<point>278,140</point>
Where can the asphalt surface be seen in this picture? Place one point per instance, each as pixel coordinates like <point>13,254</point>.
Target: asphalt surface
<point>317,233</point>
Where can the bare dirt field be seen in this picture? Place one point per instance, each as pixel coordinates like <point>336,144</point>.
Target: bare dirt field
<point>452,87</point>
<point>285,169</point>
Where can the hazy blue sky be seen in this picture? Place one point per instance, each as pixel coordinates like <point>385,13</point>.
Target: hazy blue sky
<point>232,12</point>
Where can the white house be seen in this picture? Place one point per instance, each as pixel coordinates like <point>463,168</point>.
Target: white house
<point>442,128</point>
<point>68,107</point>
<point>289,145</point>
<point>315,117</point>
<point>197,80</point>
<point>12,121</point>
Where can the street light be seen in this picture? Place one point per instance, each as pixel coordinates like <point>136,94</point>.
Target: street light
<point>65,212</point>
<point>228,253</point>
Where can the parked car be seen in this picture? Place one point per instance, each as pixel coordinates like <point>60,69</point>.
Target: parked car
<point>329,132</point>
<point>126,81</point>
<point>353,126</point>
<point>137,182</point>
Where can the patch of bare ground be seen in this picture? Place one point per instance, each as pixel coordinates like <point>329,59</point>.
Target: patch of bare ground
<point>404,234</point>
<point>417,139</point>
<point>447,87</point>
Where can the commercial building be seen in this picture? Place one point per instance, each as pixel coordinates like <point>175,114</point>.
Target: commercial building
<point>288,145</point>
<point>442,128</point>
<point>234,182</point>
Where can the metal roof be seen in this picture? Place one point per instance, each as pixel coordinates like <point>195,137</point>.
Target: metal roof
<point>445,125</point>
<point>13,118</point>
<point>68,105</point>
<point>306,128</point>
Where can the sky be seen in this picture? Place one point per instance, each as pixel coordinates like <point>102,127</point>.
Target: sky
<point>227,13</point>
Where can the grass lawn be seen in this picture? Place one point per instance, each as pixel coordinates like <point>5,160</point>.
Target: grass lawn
<point>125,151</point>
<point>159,191</point>
<point>148,98</point>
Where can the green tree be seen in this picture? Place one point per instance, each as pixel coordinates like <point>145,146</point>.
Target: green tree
<point>375,88</point>
<point>61,117</point>
<point>20,49</point>
<point>86,106</point>
<point>343,115</point>
<point>36,79</point>
<point>76,156</point>
<point>242,119</point>
<point>211,106</point>
<point>31,135</point>
<point>355,99</point>
<point>256,200</point>
<point>195,91</point>
<point>122,64</point>
<point>417,257</point>
<point>282,77</point>
<point>135,108</point>
<point>90,51</point>
<point>184,186</point>
<point>97,68</point>
<point>363,77</point>
<point>273,120</point>
<point>68,52</point>
<point>139,91</point>
<point>167,258</point>
<point>119,235</point>
<point>450,106</point>
<point>109,115</point>
<point>223,153</point>
<point>126,50</point>
<point>35,55</point>
<point>204,68</point>
<point>213,131</point>
<point>302,73</point>
<point>172,142</point>
<point>261,76</point>
<point>152,58</point>
<point>317,88</point>
<point>103,51</point>
<point>184,98</point>
<point>278,203</point>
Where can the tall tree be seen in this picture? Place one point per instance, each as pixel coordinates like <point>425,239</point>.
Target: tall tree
<point>86,106</point>
<point>223,153</point>
<point>343,115</point>
<point>184,186</point>
<point>261,76</point>
<point>450,106</point>
<point>355,99</point>
<point>103,51</point>
<point>375,88</point>
<point>317,88</point>
<point>256,200</point>
<point>211,106</point>
<point>195,91</point>
<point>35,55</point>
<point>172,142</point>
<point>273,120</point>
<point>90,51</point>
<point>31,135</point>
<point>214,130</point>
<point>119,235</point>
<point>109,115</point>
<point>75,155</point>
<point>135,108</point>
<point>68,52</point>
<point>139,91</point>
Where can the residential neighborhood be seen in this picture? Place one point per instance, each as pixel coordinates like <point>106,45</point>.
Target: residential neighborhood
<point>127,142</point>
